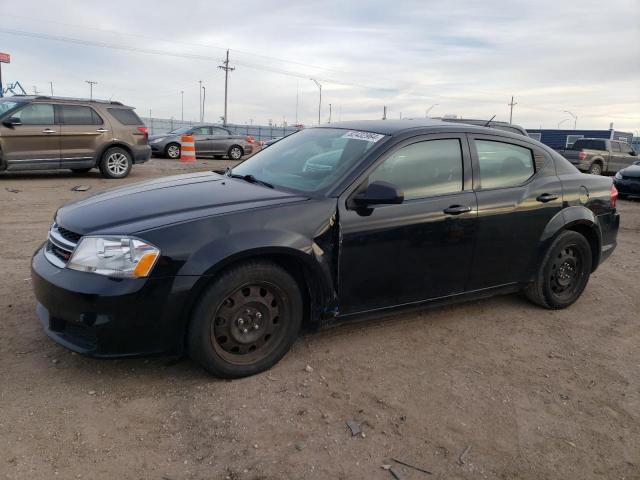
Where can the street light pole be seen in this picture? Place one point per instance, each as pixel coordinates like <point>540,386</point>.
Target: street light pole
<point>320,101</point>
<point>426,113</point>
<point>200,90</point>
<point>562,121</point>
<point>575,118</point>
<point>182,105</point>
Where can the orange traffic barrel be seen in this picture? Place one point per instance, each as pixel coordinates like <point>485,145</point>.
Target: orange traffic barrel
<point>187,148</point>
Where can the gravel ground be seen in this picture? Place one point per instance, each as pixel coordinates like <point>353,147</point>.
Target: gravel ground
<point>523,392</point>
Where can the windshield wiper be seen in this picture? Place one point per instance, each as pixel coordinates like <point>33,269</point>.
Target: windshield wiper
<point>247,178</point>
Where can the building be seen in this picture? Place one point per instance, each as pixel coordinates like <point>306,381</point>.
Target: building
<point>565,138</point>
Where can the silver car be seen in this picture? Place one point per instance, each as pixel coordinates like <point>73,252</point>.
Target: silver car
<point>211,140</point>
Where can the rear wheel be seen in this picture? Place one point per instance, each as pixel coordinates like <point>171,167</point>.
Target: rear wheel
<point>172,151</point>
<point>246,321</point>
<point>235,152</point>
<point>595,169</point>
<point>564,272</point>
<point>116,163</point>
<point>80,170</point>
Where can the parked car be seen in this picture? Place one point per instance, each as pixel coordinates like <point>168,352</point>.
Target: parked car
<point>600,156</point>
<point>271,142</point>
<point>229,267</point>
<point>627,180</point>
<point>211,140</point>
<point>49,133</point>
<point>505,126</point>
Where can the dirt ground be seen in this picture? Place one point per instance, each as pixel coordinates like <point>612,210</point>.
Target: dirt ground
<point>526,393</point>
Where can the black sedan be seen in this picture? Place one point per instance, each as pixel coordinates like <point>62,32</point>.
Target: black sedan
<point>326,225</point>
<point>627,180</point>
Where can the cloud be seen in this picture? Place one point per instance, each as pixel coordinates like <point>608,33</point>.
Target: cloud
<point>468,57</point>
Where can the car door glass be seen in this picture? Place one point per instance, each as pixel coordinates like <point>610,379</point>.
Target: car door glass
<point>201,131</point>
<point>36,114</point>
<point>79,115</point>
<point>219,132</point>
<point>432,167</point>
<point>503,164</point>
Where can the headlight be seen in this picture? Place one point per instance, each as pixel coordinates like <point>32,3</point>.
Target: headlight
<point>157,140</point>
<point>618,176</point>
<point>114,256</point>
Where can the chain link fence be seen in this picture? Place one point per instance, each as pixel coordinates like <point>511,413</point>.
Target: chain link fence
<point>160,126</point>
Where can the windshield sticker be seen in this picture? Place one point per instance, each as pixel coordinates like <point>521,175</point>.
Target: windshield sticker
<point>366,136</point>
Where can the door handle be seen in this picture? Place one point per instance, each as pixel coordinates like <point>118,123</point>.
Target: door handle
<point>457,209</point>
<point>547,197</point>
<point>102,130</point>
<point>48,130</point>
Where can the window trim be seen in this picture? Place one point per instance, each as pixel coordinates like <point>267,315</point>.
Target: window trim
<point>53,106</point>
<point>359,181</point>
<point>535,152</point>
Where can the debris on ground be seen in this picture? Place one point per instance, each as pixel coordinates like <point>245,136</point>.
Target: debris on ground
<point>464,453</point>
<point>419,469</point>
<point>308,368</point>
<point>354,427</point>
<point>396,474</point>
<point>12,190</point>
<point>80,188</point>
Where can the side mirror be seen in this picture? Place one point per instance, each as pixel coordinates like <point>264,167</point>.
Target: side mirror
<point>12,122</point>
<point>379,193</point>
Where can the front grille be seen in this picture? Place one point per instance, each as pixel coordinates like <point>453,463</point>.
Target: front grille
<point>60,253</point>
<point>68,234</point>
<point>61,244</point>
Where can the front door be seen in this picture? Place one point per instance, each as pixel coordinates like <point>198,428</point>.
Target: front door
<point>420,249</point>
<point>628,155</point>
<point>518,194</point>
<point>202,137</point>
<point>220,141</point>
<point>35,144</point>
<point>83,134</point>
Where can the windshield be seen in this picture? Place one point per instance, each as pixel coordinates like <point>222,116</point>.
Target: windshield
<point>310,160</point>
<point>6,105</point>
<point>180,130</point>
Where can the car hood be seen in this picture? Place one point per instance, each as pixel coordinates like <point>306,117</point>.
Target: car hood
<point>632,171</point>
<point>152,204</point>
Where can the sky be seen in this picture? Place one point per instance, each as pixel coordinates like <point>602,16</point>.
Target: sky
<point>464,58</point>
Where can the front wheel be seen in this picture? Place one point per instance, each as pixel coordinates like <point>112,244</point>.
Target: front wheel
<point>595,169</point>
<point>246,321</point>
<point>564,272</point>
<point>116,163</point>
<point>235,153</point>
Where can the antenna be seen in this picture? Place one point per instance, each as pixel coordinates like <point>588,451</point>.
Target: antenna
<point>489,122</point>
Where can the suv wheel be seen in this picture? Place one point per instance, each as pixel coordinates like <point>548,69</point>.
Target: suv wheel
<point>235,152</point>
<point>116,163</point>
<point>246,321</point>
<point>172,151</point>
<point>595,169</point>
<point>564,272</point>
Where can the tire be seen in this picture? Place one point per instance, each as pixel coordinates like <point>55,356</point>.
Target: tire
<point>218,157</point>
<point>235,152</point>
<point>80,170</point>
<point>116,163</point>
<point>172,151</point>
<point>246,321</point>
<point>595,169</point>
<point>564,272</point>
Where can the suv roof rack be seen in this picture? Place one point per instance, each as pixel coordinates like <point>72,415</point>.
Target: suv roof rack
<point>71,99</point>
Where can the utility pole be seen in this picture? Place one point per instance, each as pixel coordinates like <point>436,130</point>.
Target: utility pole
<point>51,85</point>
<point>91,84</point>
<point>320,101</point>
<point>200,90</point>
<point>329,113</point>
<point>204,97</point>
<point>150,122</point>
<point>511,109</point>
<point>426,113</point>
<point>575,118</point>
<point>182,106</point>
<point>226,69</point>
<point>384,112</point>
<point>35,91</point>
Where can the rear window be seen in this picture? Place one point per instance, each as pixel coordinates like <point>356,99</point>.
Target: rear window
<point>589,145</point>
<point>79,115</point>
<point>125,116</point>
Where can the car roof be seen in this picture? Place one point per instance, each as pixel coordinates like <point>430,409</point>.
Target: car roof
<point>31,98</point>
<point>395,127</point>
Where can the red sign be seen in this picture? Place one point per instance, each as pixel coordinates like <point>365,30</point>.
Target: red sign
<point>5,58</point>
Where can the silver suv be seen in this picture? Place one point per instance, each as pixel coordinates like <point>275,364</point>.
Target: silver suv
<point>47,133</point>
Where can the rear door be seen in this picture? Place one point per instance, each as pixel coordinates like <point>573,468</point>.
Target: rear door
<point>83,133</point>
<point>221,140</point>
<point>617,157</point>
<point>202,137</point>
<point>36,143</point>
<point>518,193</point>
<point>420,249</point>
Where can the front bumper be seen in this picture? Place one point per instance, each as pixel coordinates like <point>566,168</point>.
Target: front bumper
<point>627,187</point>
<point>105,317</point>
